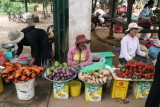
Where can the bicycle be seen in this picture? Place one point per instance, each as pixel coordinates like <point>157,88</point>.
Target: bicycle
<point>11,16</point>
<point>20,17</point>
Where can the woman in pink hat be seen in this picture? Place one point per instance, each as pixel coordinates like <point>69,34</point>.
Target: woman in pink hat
<point>79,55</point>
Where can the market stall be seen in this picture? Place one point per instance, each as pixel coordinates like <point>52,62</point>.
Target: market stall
<point>125,23</point>
<point>69,82</point>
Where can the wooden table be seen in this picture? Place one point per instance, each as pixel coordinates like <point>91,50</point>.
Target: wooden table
<point>123,23</point>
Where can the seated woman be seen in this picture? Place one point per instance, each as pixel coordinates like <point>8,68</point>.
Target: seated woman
<point>147,16</point>
<point>130,46</point>
<point>79,55</point>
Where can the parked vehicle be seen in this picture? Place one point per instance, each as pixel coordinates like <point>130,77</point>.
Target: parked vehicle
<point>96,21</point>
<point>122,11</point>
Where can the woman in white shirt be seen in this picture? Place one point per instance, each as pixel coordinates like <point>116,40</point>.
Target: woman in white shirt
<point>130,46</point>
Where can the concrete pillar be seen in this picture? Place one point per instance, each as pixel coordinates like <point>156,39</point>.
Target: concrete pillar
<point>79,19</point>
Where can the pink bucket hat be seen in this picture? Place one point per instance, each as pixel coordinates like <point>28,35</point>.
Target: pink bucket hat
<point>81,38</point>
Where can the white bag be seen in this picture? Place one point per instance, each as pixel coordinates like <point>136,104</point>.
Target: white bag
<point>27,15</point>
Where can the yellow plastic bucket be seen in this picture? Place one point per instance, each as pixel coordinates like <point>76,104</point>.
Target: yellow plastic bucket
<point>1,85</point>
<point>75,88</point>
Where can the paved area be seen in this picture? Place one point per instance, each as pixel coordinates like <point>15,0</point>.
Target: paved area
<point>107,101</point>
<point>9,98</point>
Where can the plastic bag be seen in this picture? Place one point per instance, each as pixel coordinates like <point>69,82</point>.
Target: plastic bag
<point>46,64</point>
<point>3,59</point>
<point>93,67</point>
<point>153,52</point>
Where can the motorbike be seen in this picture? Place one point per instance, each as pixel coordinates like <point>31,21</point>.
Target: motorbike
<point>122,11</point>
<point>96,21</point>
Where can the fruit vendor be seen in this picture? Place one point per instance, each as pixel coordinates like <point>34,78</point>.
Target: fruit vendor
<point>36,38</point>
<point>147,16</point>
<point>130,46</point>
<point>80,55</point>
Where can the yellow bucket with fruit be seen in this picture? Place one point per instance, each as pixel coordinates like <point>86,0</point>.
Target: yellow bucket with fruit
<point>75,88</point>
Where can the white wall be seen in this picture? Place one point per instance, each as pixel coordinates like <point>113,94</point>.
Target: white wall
<point>79,19</point>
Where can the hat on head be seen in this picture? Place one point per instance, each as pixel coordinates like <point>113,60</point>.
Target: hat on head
<point>31,23</point>
<point>15,36</point>
<point>134,26</point>
<point>81,38</point>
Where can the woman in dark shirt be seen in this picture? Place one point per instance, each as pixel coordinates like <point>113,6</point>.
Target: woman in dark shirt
<point>37,39</point>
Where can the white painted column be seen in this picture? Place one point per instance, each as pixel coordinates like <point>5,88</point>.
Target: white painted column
<point>79,19</point>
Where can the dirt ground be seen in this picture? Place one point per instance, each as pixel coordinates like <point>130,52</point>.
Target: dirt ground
<point>6,26</point>
<point>97,45</point>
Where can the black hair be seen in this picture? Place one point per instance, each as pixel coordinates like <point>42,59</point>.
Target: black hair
<point>150,2</point>
<point>128,31</point>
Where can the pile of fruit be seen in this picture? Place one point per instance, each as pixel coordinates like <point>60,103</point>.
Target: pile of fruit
<point>96,77</point>
<point>60,72</point>
<point>16,72</point>
<point>56,64</point>
<point>136,70</point>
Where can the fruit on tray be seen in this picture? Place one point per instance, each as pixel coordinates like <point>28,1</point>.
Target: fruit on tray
<point>136,70</point>
<point>62,74</point>
<point>16,72</point>
<point>55,65</point>
<point>96,77</point>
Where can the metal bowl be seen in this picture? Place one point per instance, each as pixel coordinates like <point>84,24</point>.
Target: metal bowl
<point>90,83</point>
<point>22,62</point>
<point>8,46</point>
<point>58,81</point>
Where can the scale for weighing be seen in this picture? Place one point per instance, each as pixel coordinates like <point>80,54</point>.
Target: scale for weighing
<point>9,53</point>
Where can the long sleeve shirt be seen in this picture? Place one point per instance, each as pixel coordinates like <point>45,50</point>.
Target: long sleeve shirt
<point>130,47</point>
<point>33,37</point>
<point>146,13</point>
<point>72,52</point>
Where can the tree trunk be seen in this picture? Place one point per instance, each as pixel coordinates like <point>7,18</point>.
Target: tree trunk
<point>111,3</point>
<point>94,7</point>
<point>26,7</point>
<point>158,4</point>
<point>43,6</point>
<point>102,5</point>
<point>46,5</point>
<point>92,4</point>
<point>116,7</point>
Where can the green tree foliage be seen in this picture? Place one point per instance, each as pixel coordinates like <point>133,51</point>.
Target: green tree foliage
<point>6,4</point>
<point>40,1</point>
<point>12,6</point>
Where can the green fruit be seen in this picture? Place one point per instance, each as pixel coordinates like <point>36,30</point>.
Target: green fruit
<point>60,65</point>
<point>65,64</point>
<point>52,68</point>
<point>56,64</point>
<point>48,71</point>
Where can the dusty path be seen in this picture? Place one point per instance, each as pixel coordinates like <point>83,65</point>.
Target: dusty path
<point>6,26</point>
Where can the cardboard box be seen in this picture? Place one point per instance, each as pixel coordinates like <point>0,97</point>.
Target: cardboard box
<point>141,89</point>
<point>119,89</point>
<point>61,90</point>
<point>93,93</point>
